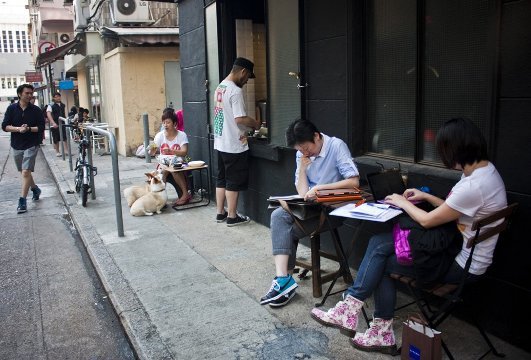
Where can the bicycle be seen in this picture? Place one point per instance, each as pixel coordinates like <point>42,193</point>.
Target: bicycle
<point>84,171</point>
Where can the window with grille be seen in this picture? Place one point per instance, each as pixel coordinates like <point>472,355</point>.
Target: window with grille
<point>4,41</point>
<point>427,62</point>
<point>10,38</point>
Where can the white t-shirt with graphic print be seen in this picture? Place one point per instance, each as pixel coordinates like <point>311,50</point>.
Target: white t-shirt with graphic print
<point>175,144</point>
<point>229,137</point>
<point>475,196</point>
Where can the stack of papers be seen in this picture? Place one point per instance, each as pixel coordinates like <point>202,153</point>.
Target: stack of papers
<point>367,211</point>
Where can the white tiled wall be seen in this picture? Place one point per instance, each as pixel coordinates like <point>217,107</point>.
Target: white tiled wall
<point>259,48</point>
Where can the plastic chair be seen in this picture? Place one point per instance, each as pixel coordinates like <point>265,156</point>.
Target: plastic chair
<point>451,295</point>
<point>99,141</point>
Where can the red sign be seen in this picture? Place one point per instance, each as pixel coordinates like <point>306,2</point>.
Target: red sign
<point>45,46</point>
<point>33,76</point>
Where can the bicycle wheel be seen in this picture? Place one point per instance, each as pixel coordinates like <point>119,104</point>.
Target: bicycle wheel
<point>79,178</point>
<point>84,194</point>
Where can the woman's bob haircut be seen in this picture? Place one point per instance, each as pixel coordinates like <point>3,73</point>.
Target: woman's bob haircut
<point>460,142</point>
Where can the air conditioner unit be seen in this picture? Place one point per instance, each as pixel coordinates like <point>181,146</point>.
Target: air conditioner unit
<point>130,11</point>
<point>94,7</point>
<point>63,38</point>
<point>80,15</point>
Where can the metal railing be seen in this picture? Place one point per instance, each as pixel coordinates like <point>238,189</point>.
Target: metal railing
<point>115,174</point>
<point>146,137</point>
<point>115,169</point>
<point>67,125</point>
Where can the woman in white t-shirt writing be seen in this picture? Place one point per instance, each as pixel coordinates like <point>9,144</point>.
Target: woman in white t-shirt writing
<point>173,142</point>
<point>480,192</point>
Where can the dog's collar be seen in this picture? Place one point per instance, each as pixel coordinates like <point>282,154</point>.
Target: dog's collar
<point>159,190</point>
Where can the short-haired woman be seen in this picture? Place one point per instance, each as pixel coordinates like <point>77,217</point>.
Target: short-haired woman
<point>480,192</point>
<point>171,141</point>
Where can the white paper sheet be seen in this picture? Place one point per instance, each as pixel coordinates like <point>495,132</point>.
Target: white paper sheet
<point>348,212</point>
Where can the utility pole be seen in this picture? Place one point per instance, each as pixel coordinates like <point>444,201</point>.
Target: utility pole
<point>50,81</point>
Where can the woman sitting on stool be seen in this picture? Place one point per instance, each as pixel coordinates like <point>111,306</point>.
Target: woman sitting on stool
<point>171,141</point>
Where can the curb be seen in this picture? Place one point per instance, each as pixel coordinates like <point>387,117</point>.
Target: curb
<point>141,332</point>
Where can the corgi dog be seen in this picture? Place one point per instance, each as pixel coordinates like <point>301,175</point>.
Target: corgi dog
<point>132,193</point>
<point>153,201</point>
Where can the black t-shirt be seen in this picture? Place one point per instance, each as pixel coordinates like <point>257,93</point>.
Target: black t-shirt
<point>58,109</point>
<point>32,116</point>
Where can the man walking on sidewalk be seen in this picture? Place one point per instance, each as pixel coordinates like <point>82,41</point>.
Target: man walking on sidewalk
<point>25,123</point>
<point>231,125</point>
<point>53,112</point>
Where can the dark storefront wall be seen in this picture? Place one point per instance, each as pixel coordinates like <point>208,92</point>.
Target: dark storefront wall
<point>334,63</point>
<point>511,270</point>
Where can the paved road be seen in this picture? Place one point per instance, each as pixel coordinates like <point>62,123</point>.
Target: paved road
<point>52,305</point>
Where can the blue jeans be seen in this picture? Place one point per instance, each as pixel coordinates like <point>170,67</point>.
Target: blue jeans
<point>373,275</point>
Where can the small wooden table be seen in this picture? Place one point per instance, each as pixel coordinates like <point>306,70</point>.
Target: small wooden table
<point>203,192</point>
<point>341,256</point>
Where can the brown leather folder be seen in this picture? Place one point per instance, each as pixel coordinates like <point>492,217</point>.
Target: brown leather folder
<point>337,192</point>
<point>332,198</point>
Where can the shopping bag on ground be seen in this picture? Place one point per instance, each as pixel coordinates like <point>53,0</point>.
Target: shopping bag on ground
<point>140,151</point>
<point>419,341</point>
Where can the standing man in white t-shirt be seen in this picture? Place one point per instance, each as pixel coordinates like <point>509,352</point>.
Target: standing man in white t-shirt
<point>231,124</point>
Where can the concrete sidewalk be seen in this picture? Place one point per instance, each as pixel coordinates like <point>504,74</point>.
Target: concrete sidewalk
<point>186,287</point>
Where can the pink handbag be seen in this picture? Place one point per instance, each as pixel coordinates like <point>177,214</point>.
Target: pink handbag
<point>402,248</point>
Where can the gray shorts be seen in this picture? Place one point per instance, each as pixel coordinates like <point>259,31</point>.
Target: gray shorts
<point>25,159</point>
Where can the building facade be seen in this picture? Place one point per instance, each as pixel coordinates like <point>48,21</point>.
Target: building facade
<point>51,26</point>
<point>117,58</point>
<point>15,49</point>
<point>383,75</point>
<point>127,64</point>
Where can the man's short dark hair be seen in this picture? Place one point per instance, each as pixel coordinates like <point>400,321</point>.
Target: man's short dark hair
<point>460,141</point>
<point>243,63</point>
<point>57,94</point>
<point>301,131</point>
<point>20,89</point>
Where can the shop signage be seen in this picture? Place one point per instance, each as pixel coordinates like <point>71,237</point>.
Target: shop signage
<point>33,76</point>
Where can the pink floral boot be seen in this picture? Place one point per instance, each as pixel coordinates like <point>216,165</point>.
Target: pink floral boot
<point>378,337</point>
<point>343,316</point>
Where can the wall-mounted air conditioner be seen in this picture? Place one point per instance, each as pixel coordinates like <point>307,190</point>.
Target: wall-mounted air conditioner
<point>63,38</point>
<point>80,15</point>
<point>130,11</point>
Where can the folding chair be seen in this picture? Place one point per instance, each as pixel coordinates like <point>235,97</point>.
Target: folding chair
<point>451,294</point>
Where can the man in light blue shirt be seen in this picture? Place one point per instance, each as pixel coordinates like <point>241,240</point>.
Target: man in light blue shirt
<point>323,162</point>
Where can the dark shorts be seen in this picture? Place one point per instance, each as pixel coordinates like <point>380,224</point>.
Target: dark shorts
<point>233,171</point>
<point>55,133</point>
<point>25,159</point>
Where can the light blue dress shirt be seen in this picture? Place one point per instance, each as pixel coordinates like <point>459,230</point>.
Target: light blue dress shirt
<point>334,163</point>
